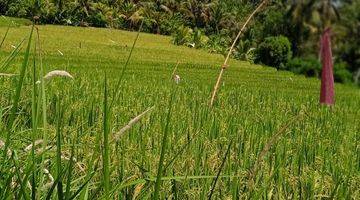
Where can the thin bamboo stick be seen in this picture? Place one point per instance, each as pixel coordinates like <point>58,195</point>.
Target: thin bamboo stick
<point>225,64</point>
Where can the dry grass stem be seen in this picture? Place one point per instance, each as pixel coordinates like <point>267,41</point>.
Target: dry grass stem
<point>225,64</point>
<point>131,123</point>
<point>274,138</point>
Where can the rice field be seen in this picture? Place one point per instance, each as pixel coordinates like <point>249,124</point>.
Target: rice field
<point>116,132</point>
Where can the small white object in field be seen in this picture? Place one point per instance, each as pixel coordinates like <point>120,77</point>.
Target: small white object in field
<point>54,73</point>
<point>61,53</point>
<point>192,45</point>
<point>177,79</point>
<point>68,21</point>
<point>14,47</point>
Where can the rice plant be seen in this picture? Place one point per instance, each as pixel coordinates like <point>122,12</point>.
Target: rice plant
<point>112,120</point>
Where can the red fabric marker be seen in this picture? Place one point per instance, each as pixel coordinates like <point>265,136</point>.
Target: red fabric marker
<point>327,78</point>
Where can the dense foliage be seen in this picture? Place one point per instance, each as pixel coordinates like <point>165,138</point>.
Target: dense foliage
<point>212,24</point>
<point>274,51</point>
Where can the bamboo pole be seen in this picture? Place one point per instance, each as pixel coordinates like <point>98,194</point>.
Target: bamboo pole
<point>225,64</point>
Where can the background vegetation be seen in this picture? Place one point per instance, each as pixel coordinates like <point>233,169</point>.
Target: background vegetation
<point>212,24</point>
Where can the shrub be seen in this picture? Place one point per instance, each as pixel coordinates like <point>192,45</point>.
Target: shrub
<point>219,43</point>
<point>182,35</point>
<point>242,49</point>
<point>274,52</point>
<point>199,39</point>
<point>250,55</point>
<point>98,20</point>
<point>341,73</point>
<point>170,25</point>
<point>310,67</point>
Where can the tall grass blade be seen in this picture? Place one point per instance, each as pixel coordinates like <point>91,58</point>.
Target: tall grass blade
<point>163,149</point>
<point>43,107</point>
<point>70,168</point>
<point>6,33</point>
<point>34,115</point>
<point>58,149</point>
<point>219,171</point>
<point>22,192</point>
<point>77,192</point>
<point>106,130</point>
<point>6,63</point>
<point>16,98</point>
<point>53,186</point>
<point>117,86</point>
<point>274,138</point>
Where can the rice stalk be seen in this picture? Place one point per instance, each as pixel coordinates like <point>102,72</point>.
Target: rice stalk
<point>117,86</point>
<point>274,138</point>
<point>163,149</point>
<point>6,33</point>
<point>6,62</point>
<point>43,108</point>
<point>106,132</point>
<point>219,171</point>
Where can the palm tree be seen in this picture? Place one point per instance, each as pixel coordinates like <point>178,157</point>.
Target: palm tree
<point>314,14</point>
<point>195,11</point>
<point>309,18</point>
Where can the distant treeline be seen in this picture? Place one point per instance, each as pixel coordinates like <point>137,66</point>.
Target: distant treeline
<point>212,24</point>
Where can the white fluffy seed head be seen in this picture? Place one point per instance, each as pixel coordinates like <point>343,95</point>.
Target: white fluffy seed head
<point>54,73</point>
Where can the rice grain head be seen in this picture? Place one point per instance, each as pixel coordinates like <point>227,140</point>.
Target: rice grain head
<point>29,147</point>
<point>2,144</point>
